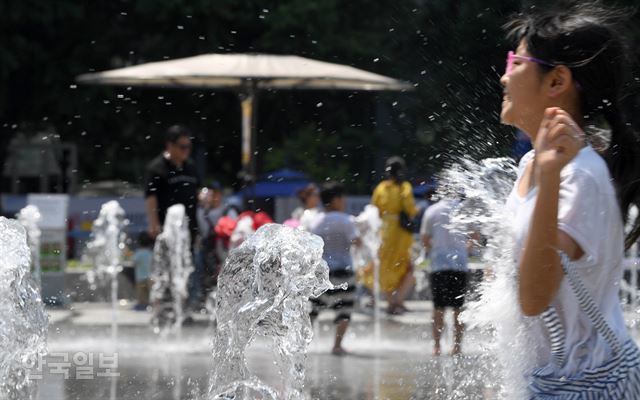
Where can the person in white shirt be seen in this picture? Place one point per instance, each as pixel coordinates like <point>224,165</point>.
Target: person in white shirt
<point>337,230</point>
<point>569,202</point>
<point>448,252</point>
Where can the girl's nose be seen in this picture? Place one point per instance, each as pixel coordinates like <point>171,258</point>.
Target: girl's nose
<point>503,80</point>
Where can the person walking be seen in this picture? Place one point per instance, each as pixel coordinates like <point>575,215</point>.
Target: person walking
<point>338,232</point>
<point>171,178</point>
<point>394,199</point>
<point>448,252</point>
<point>142,258</point>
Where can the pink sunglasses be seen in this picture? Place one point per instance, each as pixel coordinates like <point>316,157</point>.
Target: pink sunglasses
<point>511,56</point>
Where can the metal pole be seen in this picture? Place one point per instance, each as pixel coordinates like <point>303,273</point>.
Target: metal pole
<point>248,104</point>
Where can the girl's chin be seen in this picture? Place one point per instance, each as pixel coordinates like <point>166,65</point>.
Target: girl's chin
<point>505,117</point>
<point>506,113</point>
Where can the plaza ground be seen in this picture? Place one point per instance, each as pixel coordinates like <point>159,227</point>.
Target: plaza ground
<point>398,366</point>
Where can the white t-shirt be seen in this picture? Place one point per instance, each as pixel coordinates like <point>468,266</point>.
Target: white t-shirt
<point>310,218</point>
<point>448,247</point>
<point>588,212</point>
<point>338,231</point>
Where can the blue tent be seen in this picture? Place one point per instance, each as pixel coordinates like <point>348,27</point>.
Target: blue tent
<point>280,183</point>
<point>285,174</point>
<point>420,189</point>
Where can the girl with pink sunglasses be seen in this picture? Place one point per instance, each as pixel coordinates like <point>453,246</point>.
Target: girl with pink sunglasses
<point>570,201</point>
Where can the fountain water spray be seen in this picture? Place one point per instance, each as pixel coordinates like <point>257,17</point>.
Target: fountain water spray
<point>29,217</point>
<point>368,224</point>
<point>105,250</point>
<point>23,321</point>
<point>172,265</point>
<point>632,263</point>
<point>485,187</point>
<point>263,289</point>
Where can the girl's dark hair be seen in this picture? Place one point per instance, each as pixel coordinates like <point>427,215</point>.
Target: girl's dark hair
<point>585,38</point>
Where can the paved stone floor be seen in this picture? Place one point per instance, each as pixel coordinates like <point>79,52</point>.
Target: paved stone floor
<point>398,366</point>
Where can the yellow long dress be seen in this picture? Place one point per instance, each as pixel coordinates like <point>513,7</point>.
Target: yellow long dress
<point>391,198</point>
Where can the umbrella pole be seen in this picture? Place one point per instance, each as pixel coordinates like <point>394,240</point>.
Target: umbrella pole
<point>248,104</point>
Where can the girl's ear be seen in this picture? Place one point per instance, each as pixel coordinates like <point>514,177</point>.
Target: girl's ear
<point>560,80</point>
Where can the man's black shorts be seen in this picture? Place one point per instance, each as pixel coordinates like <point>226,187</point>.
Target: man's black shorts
<point>448,288</point>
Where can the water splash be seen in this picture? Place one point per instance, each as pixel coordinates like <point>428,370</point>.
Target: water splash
<point>106,244</point>
<point>485,187</point>
<point>23,321</point>
<point>105,249</point>
<point>631,294</point>
<point>29,217</point>
<point>263,289</point>
<point>309,218</point>
<point>243,230</point>
<point>172,265</point>
<point>368,224</point>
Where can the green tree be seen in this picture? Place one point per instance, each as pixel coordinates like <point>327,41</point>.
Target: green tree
<point>452,51</point>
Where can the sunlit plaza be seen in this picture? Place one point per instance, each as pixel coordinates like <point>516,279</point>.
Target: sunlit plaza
<point>242,200</point>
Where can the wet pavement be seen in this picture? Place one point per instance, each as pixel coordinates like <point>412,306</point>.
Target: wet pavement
<point>81,363</point>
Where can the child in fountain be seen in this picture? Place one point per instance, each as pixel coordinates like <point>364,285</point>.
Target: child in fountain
<point>142,258</point>
<point>448,250</point>
<point>570,200</point>
<point>339,233</point>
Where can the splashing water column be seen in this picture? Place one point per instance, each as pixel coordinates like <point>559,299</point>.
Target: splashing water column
<point>172,266</point>
<point>29,217</point>
<point>263,289</point>
<point>23,319</point>
<point>485,186</point>
<point>633,263</point>
<point>105,250</point>
<point>368,223</point>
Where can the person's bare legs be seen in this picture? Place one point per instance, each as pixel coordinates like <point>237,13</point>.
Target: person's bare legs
<point>397,297</point>
<point>341,329</point>
<point>405,286</point>
<point>458,332</point>
<point>437,327</point>
<point>391,301</point>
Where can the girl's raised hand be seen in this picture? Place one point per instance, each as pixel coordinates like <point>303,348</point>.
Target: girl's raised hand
<point>559,140</point>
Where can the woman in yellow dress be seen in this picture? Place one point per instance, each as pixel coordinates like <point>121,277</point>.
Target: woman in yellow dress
<point>393,196</point>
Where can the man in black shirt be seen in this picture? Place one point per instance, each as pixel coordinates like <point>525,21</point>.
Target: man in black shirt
<point>171,178</point>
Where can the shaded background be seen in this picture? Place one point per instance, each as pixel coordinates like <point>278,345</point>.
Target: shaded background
<point>453,51</point>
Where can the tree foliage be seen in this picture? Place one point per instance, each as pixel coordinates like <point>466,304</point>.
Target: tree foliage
<point>452,51</point>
